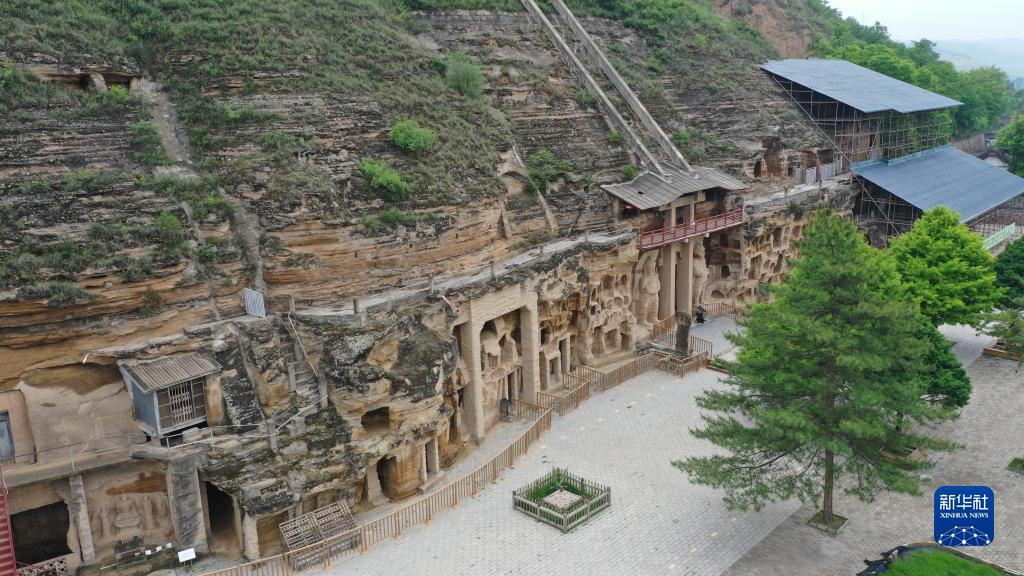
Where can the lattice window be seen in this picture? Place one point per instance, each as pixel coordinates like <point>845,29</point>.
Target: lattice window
<point>182,403</point>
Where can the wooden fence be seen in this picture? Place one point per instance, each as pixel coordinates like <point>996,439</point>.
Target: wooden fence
<point>361,538</point>
<point>701,354</point>
<point>578,391</point>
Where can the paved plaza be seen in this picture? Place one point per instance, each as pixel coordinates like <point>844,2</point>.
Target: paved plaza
<point>659,523</point>
<point>991,429</point>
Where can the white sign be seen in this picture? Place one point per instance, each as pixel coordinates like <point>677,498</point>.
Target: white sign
<point>187,554</point>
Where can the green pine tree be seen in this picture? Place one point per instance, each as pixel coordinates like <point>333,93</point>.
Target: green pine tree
<point>1007,325</point>
<point>946,268</point>
<point>944,377</point>
<point>827,375</point>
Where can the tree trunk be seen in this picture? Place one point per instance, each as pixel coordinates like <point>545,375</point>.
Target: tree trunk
<point>826,500</point>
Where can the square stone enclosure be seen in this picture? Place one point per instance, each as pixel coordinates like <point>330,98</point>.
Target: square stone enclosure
<point>562,499</point>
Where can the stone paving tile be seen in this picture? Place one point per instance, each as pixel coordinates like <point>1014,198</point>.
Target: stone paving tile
<point>992,430</point>
<point>658,523</point>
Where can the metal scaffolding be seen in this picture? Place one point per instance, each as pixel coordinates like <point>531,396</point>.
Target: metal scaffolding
<point>858,136</point>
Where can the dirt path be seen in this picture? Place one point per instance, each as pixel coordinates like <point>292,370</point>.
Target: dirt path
<point>174,138</point>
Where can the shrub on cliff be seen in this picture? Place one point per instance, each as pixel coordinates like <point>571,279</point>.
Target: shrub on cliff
<point>411,137</point>
<point>170,232</point>
<point>384,179</point>
<point>543,167</point>
<point>144,139</point>
<point>464,76</point>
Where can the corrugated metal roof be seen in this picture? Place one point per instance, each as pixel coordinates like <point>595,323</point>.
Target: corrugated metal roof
<point>651,190</point>
<point>944,176</point>
<point>159,374</point>
<point>856,86</point>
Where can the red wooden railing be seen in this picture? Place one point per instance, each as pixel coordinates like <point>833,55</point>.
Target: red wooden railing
<point>697,227</point>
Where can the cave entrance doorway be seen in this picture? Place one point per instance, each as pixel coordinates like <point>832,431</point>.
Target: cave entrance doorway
<point>222,522</point>
<point>41,534</point>
<point>386,470</point>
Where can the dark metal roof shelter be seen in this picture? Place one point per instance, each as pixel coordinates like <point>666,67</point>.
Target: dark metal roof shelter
<point>858,87</point>
<point>164,372</point>
<point>944,176</point>
<point>652,190</point>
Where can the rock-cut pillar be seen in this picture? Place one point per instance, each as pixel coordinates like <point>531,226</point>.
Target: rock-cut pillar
<point>531,352</point>
<point>473,409</point>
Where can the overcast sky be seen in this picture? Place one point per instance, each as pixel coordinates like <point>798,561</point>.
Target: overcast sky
<point>940,19</point>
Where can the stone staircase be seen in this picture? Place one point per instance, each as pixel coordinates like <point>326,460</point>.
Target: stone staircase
<point>8,567</point>
<point>303,382</point>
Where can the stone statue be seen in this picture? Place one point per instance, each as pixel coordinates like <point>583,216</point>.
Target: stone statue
<point>648,286</point>
<point>700,272</point>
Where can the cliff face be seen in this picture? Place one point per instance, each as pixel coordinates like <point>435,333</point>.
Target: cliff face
<point>135,212</point>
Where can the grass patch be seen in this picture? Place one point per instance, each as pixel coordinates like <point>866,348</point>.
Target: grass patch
<point>557,480</point>
<point>358,48</point>
<point>938,563</point>
<point>834,526</point>
<point>144,139</point>
<point>464,76</point>
<point>56,294</point>
<point>1017,465</point>
<point>543,167</point>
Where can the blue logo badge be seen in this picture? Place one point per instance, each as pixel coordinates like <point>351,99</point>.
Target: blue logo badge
<point>965,516</point>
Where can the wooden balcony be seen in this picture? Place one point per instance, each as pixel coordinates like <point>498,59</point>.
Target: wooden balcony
<point>698,227</point>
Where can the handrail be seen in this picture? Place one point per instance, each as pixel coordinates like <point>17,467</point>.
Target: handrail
<point>696,227</point>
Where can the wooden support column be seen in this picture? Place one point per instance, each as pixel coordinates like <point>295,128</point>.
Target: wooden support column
<point>684,272</point>
<point>667,294</point>
<point>473,408</point>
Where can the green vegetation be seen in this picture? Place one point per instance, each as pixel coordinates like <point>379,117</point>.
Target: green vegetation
<point>202,195</point>
<point>945,380</point>
<point>1009,269</point>
<point>464,76</point>
<point>614,137</point>
<point>56,294</point>
<point>361,49</point>
<point>558,479</point>
<point>152,301</point>
<point>19,89</point>
<point>543,167</point>
<point>144,139</point>
<point>411,137</point>
<point>1007,325</point>
<point>1011,140</point>
<point>384,179</point>
<point>946,268</point>
<point>1017,465</point>
<point>588,100</point>
<point>938,563</point>
<point>629,172</point>
<point>827,375</point>
<point>168,229</point>
<point>986,93</point>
